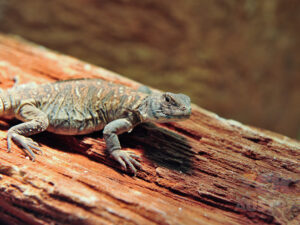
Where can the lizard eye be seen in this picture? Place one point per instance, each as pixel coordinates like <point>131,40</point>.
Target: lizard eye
<point>170,100</point>
<point>167,99</point>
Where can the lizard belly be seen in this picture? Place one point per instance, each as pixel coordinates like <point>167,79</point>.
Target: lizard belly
<point>73,127</point>
<point>72,121</point>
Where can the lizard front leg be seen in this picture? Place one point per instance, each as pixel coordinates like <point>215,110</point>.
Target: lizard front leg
<point>110,134</point>
<point>37,121</point>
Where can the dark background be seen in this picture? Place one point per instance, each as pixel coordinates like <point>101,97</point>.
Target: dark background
<point>237,58</point>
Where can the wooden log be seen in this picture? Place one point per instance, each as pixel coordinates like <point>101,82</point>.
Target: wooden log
<point>205,170</point>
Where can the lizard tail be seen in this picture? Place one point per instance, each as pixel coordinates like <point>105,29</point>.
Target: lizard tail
<point>5,103</point>
<point>1,102</point>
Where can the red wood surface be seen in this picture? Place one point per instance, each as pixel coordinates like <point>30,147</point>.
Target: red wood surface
<point>205,170</point>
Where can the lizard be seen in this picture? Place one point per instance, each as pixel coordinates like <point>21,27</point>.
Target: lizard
<point>83,106</point>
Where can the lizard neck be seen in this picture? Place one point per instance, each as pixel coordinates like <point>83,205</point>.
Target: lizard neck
<point>147,112</point>
<point>143,110</point>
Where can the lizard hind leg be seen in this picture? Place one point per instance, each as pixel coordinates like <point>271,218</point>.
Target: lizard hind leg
<point>37,121</point>
<point>24,142</point>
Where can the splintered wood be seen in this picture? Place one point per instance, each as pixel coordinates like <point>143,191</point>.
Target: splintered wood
<point>205,170</point>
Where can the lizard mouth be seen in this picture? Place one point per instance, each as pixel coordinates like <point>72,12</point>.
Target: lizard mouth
<point>181,114</point>
<point>166,114</point>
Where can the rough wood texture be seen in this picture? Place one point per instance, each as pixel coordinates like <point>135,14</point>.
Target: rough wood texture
<point>206,170</point>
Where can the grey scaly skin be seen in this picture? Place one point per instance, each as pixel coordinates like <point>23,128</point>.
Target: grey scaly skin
<point>77,107</point>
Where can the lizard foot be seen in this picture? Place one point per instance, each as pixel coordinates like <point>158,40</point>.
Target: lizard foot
<point>24,142</point>
<point>126,158</point>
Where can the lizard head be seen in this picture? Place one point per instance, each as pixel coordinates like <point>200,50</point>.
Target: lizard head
<point>167,107</point>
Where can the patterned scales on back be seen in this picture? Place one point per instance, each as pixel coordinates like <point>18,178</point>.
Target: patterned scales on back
<point>84,106</point>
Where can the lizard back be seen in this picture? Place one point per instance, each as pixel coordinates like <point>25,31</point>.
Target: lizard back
<point>80,106</point>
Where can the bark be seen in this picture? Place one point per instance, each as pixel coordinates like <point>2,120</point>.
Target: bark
<point>205,170</point>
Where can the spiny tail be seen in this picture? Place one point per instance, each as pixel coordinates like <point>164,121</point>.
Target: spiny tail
<point>5,102</point>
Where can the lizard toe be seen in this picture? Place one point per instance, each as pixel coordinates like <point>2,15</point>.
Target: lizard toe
<point>126,160</point>
<point>8,143</point>
<point>130,165</point>
<point>133,155</point>
<point>34,145</point>
<point>133,159</point>
<point>116,155</point>
<point>136,164</point>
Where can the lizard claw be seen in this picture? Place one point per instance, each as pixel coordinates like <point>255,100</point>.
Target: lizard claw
<point>25,142</point>
<point>126,158</point>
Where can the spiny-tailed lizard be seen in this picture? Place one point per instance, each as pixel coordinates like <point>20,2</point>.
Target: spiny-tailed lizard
<point>76,107</point>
